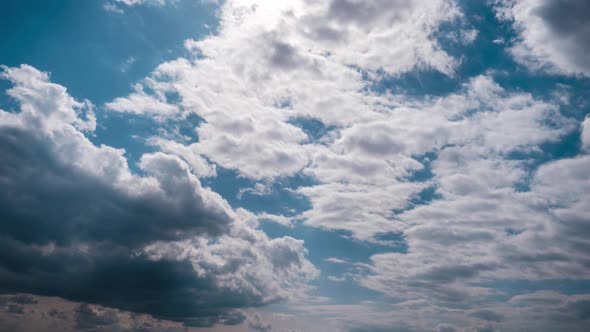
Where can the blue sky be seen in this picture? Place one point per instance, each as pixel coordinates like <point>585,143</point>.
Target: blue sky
<point>253,165</point>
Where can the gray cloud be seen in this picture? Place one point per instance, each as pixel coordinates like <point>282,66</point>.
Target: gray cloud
<point>554,35</point>
<point>88,317</point>
<point>285,56</point>
<point>396,327</point>
<point>569,21</point>
<point>487,315</point>
<point>365,13</point>
<point>36,185</point>
<point>257,324</point>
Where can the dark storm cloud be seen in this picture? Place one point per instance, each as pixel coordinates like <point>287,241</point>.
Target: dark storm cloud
<point>569,21</point>
<point>116,277</point>
<point>42,201</point>
<point>67,234</point>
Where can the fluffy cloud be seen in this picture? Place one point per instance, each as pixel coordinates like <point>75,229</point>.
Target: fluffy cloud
<point>482,229</point>
<point>553,34</point>
<point>49,161</point>
<point>275,62</point>
<point>367,166</point>
<point>78,224</point>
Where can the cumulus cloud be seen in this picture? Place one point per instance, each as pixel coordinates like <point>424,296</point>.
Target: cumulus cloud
<point>271,63</point>
<point>553,34</point>
<point>49,162</point>
<point>490,232</point>
<point>482,229</point>
<point>78,224</point>
<point>365,170</point>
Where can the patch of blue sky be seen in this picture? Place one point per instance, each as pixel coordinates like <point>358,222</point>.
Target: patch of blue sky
<point>324,244</point>
<point>132,132</point>
<point>315,130</point>
<point>7,104</point>
<point>336,280</point>
<point>275,197</point>
<point>99,54</point>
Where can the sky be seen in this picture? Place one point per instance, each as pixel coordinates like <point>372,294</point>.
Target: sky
<point>292,166</point>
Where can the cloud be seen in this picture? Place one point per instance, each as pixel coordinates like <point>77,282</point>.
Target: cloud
<point>586,134</point>
<point>479,232</point>
<point>142,103</point>
<point>140,2</point>
<point>487,315</point>
<point>364,171</point>
<point>88,317</point>
<point>267,67</point>
<point>553,34</point>
<point>455,177</point>
<point>357,32</point>
<point>257,324</point>
<point>111,7</point>
<point>541,310</point>
<point>272,63</point>
<point>78,224</point>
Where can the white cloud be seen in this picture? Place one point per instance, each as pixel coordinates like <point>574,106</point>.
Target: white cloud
<point>364,171</point>
<point>199,165</point>
<point>269,55</point>
<point>273,62</point>
<point>553,34</point>
<point>276,218</point>
<point>143,103</point>
<point>483,230</point>
<point>110,7</point>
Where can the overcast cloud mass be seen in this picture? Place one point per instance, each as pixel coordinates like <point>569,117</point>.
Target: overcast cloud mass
<point>261,165</point>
